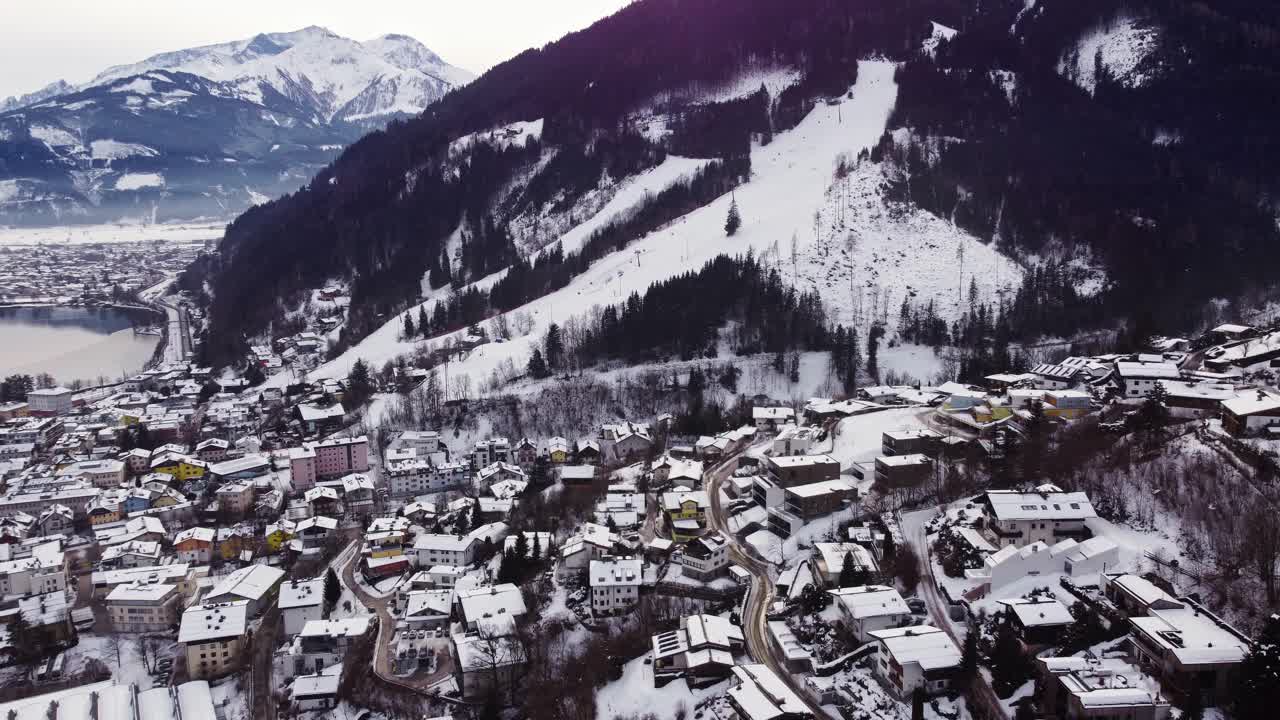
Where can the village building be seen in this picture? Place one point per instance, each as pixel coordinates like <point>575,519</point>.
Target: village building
<point>300,602</point>
<point>703,646</point>
<point>1048,516</point>
<point>870,608</point>
<point>898,471</point>
<point>615,585</point>
<point>1079,688</point>
<point>213,638</point>
<point>761,695</point>
<point>918,657</point>
<point>255,585</point>
<point>910,442</point>
<point>705,558</point>
<point>143,607</point>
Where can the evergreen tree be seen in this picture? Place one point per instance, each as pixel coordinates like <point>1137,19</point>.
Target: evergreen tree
<point>873,350</point>
<point>409,330</point>
<point>847,571</point>
<point>794,374</point>
<point>537,366</point>
<point>734,220</point>
<point>537,548</point>
<point>359,383</point>
<point>332,590</point>
<point>1259,694</point>
<point>554,347</point>
<point>1009,666</point>
<point>424,324</point>
<point>253,374</point>
<point>522,549</point>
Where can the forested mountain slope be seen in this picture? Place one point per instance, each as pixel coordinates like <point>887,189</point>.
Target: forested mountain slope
<point>1139,199</point>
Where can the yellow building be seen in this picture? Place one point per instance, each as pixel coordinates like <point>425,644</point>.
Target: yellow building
<point>279,534</point>
<point>182,468</point>
<point>101,514</point>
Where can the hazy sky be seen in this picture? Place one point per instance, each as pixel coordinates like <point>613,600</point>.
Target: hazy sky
<point>73,40</point>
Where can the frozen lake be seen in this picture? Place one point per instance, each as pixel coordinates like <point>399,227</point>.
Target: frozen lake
<point>73,343</point>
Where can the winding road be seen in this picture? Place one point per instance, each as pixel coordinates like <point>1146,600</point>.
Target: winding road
<point>755,610</point>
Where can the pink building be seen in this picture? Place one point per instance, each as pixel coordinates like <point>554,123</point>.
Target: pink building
<point>336,457</point>
<point>302,468</point>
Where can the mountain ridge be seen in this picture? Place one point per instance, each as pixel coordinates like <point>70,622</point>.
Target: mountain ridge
<point>225,125</point>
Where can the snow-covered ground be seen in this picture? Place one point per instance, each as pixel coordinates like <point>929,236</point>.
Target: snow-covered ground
<point>633,695</point>
<point>791,177</point>
<point>1122,45</point>
<point>857,440</point>
<point>113,233</point>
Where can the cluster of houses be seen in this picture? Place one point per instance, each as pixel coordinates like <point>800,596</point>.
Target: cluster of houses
<point>69,274</point>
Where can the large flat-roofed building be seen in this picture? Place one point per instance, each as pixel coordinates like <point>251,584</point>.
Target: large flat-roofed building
<point>907,442</point>
<point>143,607</point>
<point>792,470</point>
<point>50,401</point>
<point>213,635</point>
<point>903,470</point>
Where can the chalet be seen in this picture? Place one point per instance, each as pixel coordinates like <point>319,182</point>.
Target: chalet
<point>526,453</point>
<point>558,450</point>
<point>703,646</point>
<point>194,545</point>
<point>1048,515</point>
<point>705,558</point>
<point>625,442</point>
<point>615,585</point>
<point>1251,412</point>
<point>829,558</point>
<point>1041,621</point>
<point>587,451</point>
<point>1139,379</point>
<point>919,657</point>
<point>869,608</point>
<point>576,474</point>
<point>769,419</point>
<point>1049,376</point>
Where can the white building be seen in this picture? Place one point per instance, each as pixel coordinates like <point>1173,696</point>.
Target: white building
<point>615,585</point>
<point>431,549</point>
<point>143,607</point>
<point>50,401</point>
<point>213,635</point>
<point>300,603</point>
<point>921,656</point>
<point>869,608</point>
<point>1047,515</point>
<point>705,558</point>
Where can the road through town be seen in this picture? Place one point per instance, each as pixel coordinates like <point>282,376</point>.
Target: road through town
<point>755,610</point>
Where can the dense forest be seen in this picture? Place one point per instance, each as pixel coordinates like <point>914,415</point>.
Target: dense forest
<point>380,215</point>
<point>1168,182</point>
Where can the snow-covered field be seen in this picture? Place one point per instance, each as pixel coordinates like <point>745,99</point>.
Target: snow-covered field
<point>137,181</point>
<point>113,233</point>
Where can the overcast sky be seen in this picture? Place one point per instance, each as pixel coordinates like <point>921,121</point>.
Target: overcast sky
<point>73,40</point>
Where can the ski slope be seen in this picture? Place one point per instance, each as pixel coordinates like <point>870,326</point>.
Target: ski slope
<point>792,182</point>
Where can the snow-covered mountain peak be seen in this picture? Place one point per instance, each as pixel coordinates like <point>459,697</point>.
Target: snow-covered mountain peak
<point>387,76</point>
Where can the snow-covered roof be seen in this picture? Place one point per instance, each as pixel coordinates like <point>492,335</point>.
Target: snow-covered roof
<point>307,593</point>
<point>313,686</point>
<point>762,695</point>
<point>346,627</point>
<point>797,461</point>
<point>195,701</point>
<point>868,601</point>
<point>1013,505</point>
<point>1150,371</point>
<point>499,603</point>
<point>198,534</point>
<point>1253,402</point>
<point>1039,613</point>
<point>141,592</point>
<point>1193,635</point>
<point>924,645</point>
<point>616,572</point>
<point>213,620</point>
<point>442,542</point>
<point>250,583</point>
<point>772,413</point>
